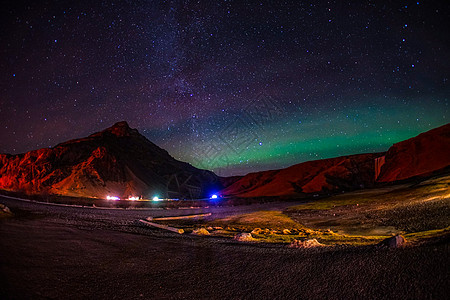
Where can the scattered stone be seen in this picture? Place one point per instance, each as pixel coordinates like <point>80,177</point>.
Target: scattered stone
<point>209,228</point>
<point>218,228</point>
<point>200,231</point>
<point>5,211</point>
<point>312,243</point>
<point>396,241</point>
<point>244,237</point>
<point>286,231</point>
<point>257,231</point>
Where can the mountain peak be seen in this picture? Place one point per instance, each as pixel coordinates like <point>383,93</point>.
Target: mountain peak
<point>117,160</point>
<point>120,129</point>
<point>121,124</point>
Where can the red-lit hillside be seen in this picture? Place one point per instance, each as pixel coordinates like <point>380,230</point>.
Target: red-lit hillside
<point>420,155</point>
<point>117,161</point>
<point>122,162</point>
<point>341,173</point>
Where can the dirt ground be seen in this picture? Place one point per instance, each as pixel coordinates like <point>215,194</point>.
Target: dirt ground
<point>402,209</point>
<point>74,253</point>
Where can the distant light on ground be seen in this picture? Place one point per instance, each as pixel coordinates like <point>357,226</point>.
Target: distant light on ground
<point>112,198</point>
<point>214,196</point>
<point>156,198</point>
<point>133,198</point>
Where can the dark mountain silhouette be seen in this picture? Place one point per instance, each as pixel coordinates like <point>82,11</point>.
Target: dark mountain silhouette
<point>120,161</point>
<point>117,161</point>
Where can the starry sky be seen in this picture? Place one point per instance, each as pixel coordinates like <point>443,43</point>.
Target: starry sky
<point>230,86</point>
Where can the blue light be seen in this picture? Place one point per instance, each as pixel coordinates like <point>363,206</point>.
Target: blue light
<point>213,196</point>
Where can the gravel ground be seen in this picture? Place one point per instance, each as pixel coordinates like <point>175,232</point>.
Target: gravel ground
<point>383,211</point>
<point>416,217</point>
<point>75,253</point>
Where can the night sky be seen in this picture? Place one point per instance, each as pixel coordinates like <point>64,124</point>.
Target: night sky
<point>230,86</point>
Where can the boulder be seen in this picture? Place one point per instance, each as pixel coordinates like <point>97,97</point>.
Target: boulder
<point>286,231</point>
<point>312,243</point>
<point>200,231</point>
<point>244,237</point>
<point>396,241</point>
<point>5,211</point>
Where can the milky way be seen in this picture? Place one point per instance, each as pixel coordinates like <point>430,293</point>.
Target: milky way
<point>231,86</point>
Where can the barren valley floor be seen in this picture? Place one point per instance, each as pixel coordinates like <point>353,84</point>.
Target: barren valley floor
<point>74,253</point>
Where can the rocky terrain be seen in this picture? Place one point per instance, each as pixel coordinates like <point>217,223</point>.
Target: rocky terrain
<point>122,162</point>
<point>59,252</point>
<point>117,161</point>
<point>346,173</point>
<point>419,156</point>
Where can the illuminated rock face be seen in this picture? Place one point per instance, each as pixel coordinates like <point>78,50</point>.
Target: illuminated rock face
<point>418,156</point>
<point>379,162</point>
<point>320,176</point>
<point>116,161</point>
<point>120,162</point>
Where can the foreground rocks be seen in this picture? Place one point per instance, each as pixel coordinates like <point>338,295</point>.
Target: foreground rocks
<point>312,243</point>
<point>5,211</point>
<point>244,237</point>
<point>397,241</point>
<point>123,261</point>
<point>200,231</point>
